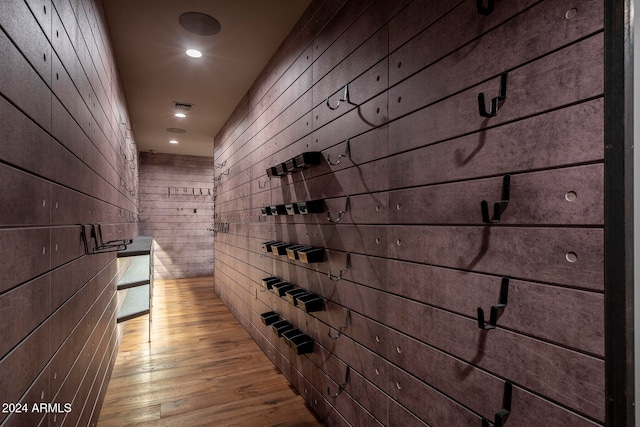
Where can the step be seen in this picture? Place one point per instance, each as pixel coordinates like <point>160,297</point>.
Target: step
<point>141,245</point>
<point>137,273</point>
<point>136,303</point>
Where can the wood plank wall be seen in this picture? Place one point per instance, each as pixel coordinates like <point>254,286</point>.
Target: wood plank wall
<point>421,160</point>
<point>65,160</point>
<point>176,208</point>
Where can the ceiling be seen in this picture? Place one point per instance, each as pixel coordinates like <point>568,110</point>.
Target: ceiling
<point>149,46</point>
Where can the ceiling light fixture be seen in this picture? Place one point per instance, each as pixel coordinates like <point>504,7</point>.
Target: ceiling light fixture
<point>173,141</point>
<point>181,115</point>
<point>194,53</point>
<point>199,23</point>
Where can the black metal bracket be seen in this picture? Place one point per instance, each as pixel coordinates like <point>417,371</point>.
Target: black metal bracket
<point>341,386</point>
<point>345,98</point>
<point>502,303</point>
<point>342,327</point>
<point>498,207</point>
<point>100,245</point>
<point>496,103</point>
<point>485,10</point>
<point>502,415</point>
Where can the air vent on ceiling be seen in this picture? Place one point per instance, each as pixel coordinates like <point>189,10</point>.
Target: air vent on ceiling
<point>182,106</point>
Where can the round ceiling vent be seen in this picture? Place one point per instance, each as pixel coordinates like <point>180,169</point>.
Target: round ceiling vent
<point>176,130</point>
<point>199,23</point>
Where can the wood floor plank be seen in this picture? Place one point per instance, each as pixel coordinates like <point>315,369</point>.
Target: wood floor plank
<point>200,368</point>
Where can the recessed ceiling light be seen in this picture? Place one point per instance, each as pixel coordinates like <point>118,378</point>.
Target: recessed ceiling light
<point>181,115</point>
<point>173,141</point>
<point>199,23</point>
<point>194,53</point>
<point>176,130</point>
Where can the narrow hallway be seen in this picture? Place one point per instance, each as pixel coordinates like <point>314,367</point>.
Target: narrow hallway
<point>200,368</point>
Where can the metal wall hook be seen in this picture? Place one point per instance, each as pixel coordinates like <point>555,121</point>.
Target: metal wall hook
<point>100,245</point>
<point>346,209</point>
<point>123,154</point>
<point>498,207</point>
<point>226,172</point>
<point>341,386</point>
<point>220,165</point>
<point>347,153</point>
<point>342,327</point>
<point>496,103</point>
<point>342,270</point>
<point>502,415</point>
<point>485,10</point>
<point>265,183</point>
<point>345,98</point>
<point>502,303</point>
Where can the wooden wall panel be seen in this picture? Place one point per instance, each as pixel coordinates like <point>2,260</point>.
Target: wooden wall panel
<point>176,208</point>
<point>416,257</point>
<point>61,141</point>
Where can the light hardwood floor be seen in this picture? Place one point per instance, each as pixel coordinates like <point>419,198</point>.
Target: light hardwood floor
<point>201,368</point>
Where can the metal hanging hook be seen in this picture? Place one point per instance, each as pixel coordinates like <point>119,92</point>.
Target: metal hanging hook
<point>342,270</point>
<point>496,103</point>
<point>341,386</point>
<point>485,10</point>
<point>502,303</point>
<point>345,97</point>
<point>498,207</point>
<point>342,327</point>
<point>502,415</point>
<point>346,209</point>
<point>347,153</point>
<point>265,183</point>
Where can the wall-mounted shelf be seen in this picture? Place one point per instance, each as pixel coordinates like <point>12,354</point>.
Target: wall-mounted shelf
<point>295,338</point>
<point>301,298</point>
<point>296,164</point>
<point>303,253</point>
<point>136,284</point>
<point>297,208</point>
